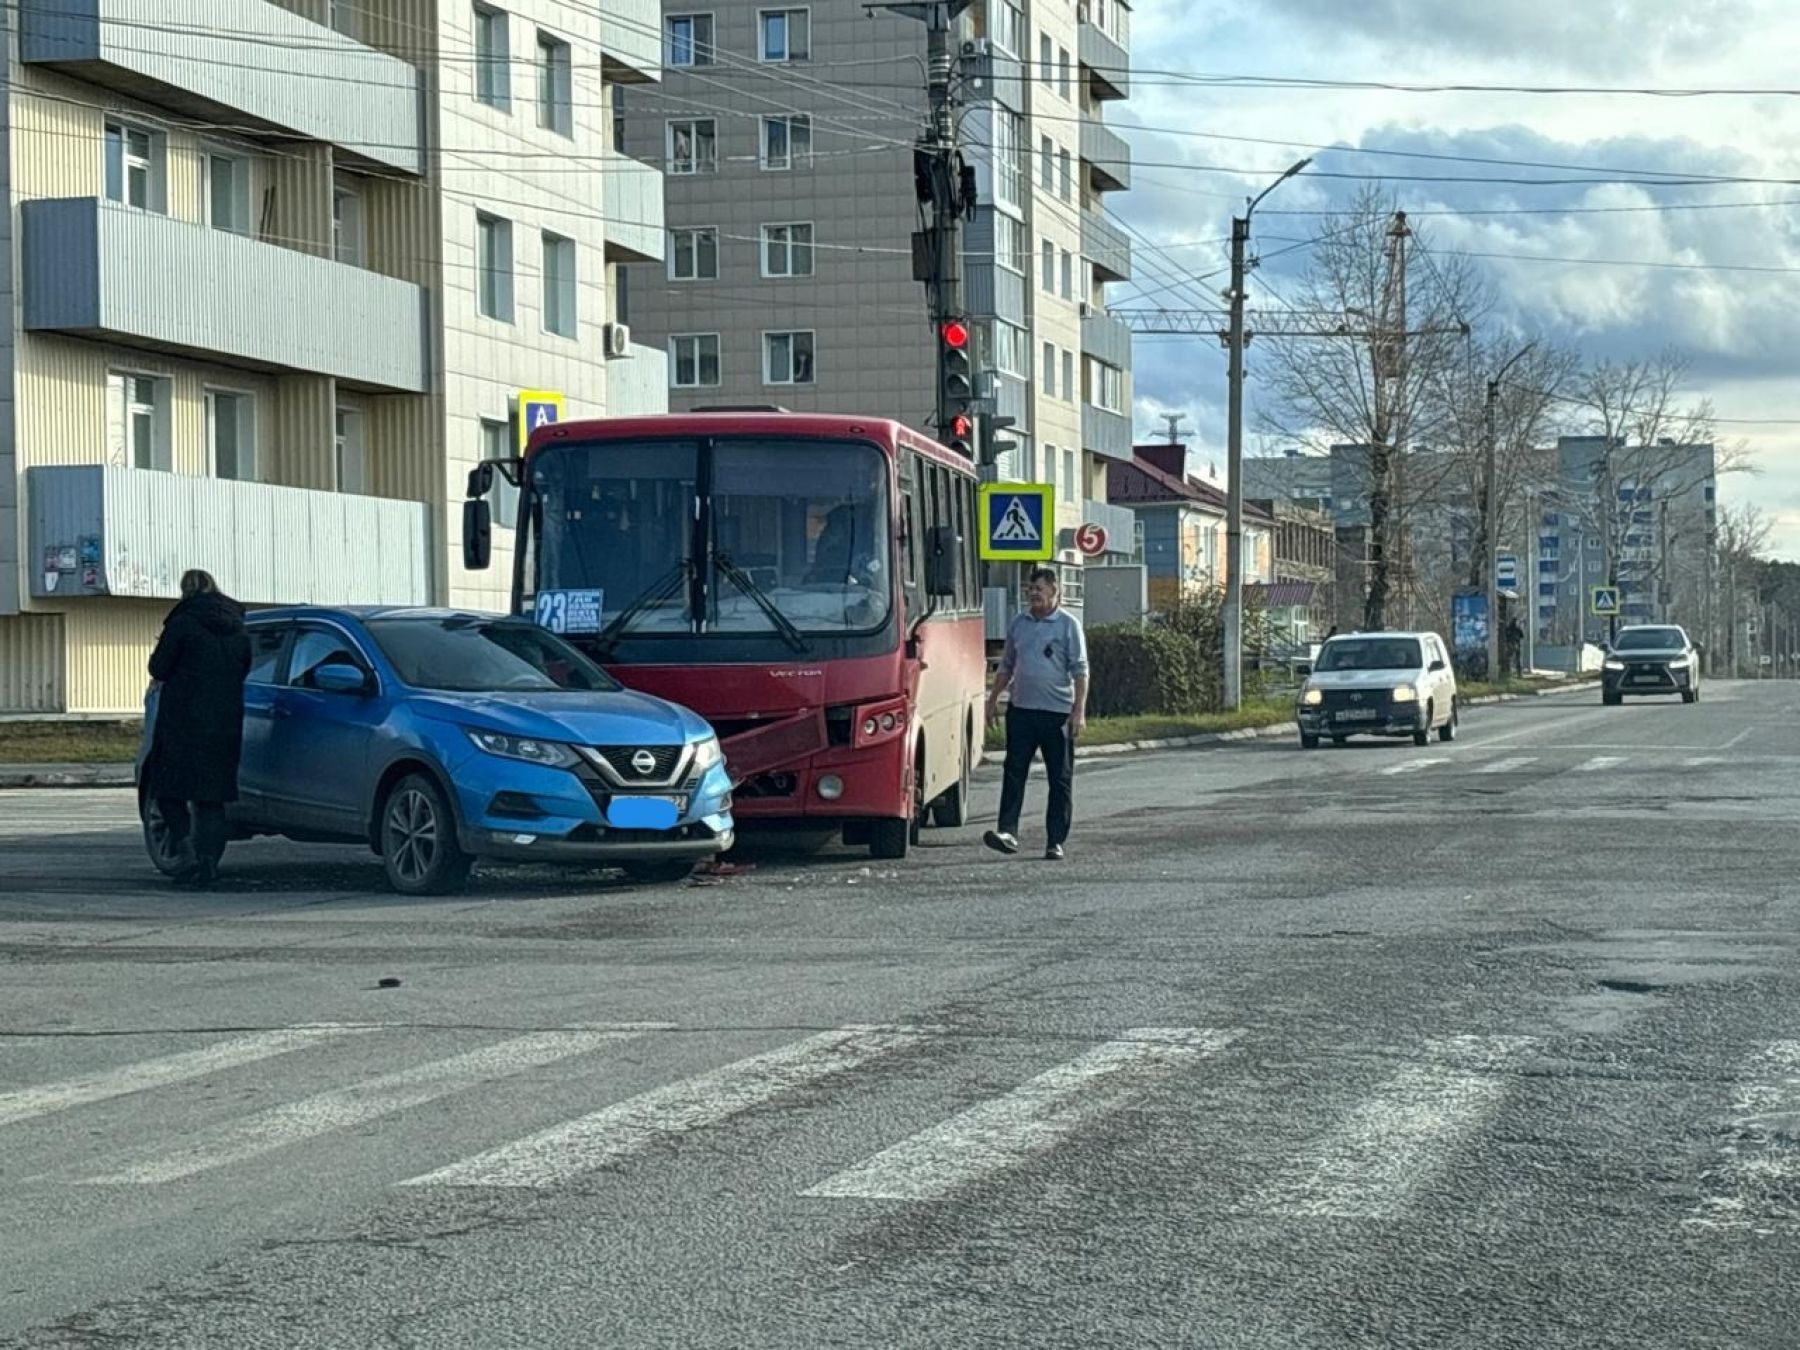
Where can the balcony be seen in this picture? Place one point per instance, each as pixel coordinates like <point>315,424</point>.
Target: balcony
<point>1105,433</point>
<point>632,201</point>
<point>631,41</point>
<point>237,63</point>
<point>1106,339</point>
<point>1104,245</point>
<point>1106,154</point>
<point>1104,59</point>
<point>133,532</point>
<point>96,269</point>
<point>638,384</point>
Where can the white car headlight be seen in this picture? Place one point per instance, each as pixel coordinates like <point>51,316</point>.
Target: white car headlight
<point>707,753</point>
<point>548,753</point>
<point>1312,698</point>
<point>1612,664</point>
<point>1681,663</point>
<point>1405,693</point>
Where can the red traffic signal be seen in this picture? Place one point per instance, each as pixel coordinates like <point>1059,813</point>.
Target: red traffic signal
<point>955,334</point>
<point>962,426</point>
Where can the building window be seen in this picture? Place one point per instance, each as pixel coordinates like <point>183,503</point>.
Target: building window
<point>227,192</point>
<point>1045,48</point>
<point>1106,386</point>
<point>694,255</point>
<point>786,142</point>
<point>1046,163</point>
<point>1062,71</point>
<point>351,454</point>
<point>231,434</point>
<point>1009,143</point>
<point>1068,376</point>
<point>346,18</point>
<point>556,98</point>
<point>694,360</point>
<point>494,262</point>
<point>493,59</point>
<point>134,168</point>
<point>1065,176</point>
<point>690,39</point>
<point>137,418</point>
<point>693,146</point>
<point>787,250</point>
<point>499,440</point>
<point>348,243</point>
<point>1071,489</point>
<point>1047,266</point>
<point>559,285</point>
<point>1009,27</point>
<point>1068,275</point>
<point>1049,370</point>
<point>787,358</point>
<point>1012,244</point>
<point>1012,350</point>
<point>786,34</point>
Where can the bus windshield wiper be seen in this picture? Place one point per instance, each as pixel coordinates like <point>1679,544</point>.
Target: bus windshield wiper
<point>654,594</point>
<point>747,584</point>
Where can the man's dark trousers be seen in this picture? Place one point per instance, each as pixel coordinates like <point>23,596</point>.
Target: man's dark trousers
<point>1030,732</point>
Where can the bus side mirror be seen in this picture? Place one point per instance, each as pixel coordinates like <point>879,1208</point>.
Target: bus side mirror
<point>481,479</point>
<point>940,562</point>
<point>477,535</point>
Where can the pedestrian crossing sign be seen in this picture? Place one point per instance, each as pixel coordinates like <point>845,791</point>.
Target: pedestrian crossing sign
<point>1017,521</point>
<point>536,408</point>
<point>1605,602</point>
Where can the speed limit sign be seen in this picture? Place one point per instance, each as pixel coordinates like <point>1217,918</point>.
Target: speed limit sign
<point>1090,539</point>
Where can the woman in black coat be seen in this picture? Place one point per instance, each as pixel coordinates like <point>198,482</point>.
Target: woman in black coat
<point>200,661</point>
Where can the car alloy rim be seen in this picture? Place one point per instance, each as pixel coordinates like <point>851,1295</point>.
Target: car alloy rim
<point>412,834</point>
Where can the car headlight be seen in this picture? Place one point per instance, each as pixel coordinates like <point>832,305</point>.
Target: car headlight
<point>1405,693</point>
<point>1614,665</point>
<point>707,753</point>
<point>1681,663</point>
<point>549,753</point>
<point>1312,698</point>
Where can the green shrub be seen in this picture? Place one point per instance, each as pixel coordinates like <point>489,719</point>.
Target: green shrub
<point>1151,669</point>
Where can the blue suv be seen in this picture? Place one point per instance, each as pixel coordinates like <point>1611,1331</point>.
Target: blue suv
<point>439,736</point>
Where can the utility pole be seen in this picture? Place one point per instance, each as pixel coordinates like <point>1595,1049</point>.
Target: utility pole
<point>1233,674</point>
<point>1530,588</point>
<point>1490,513</point>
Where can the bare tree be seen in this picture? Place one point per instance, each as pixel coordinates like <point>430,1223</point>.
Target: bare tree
<point>1742,535</point>
<point>1380,386</point>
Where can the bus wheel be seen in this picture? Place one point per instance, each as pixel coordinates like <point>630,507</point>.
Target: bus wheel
<point>891,838</point>
<point>951,810</point>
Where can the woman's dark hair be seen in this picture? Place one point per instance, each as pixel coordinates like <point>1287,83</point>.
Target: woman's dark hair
<point>196,582</point>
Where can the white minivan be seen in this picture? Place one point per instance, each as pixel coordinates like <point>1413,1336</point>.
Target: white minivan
<point>1379,684</point>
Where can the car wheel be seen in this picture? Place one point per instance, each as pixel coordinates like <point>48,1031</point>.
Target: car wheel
<point>1447,732</point>
<point>166,858</point>
<point>1423,735</point>
<point>1611,700</point>
<point>419,849</point>
<point>1690,695</point>
<point>951,810</point>
<point>658,871</point>
<point>1340,740</point>
<point>1308,741</point>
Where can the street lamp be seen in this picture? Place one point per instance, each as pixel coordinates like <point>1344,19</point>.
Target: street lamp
<point>1233,679</point>
<point>1490,513</point>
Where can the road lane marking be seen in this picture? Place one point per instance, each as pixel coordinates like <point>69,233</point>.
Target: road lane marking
<point>1599,762</point>
<point>1738,739</point>
<point>1031,1119</point>
<point>1412,766</point>
<point>1508,765</point>
<point>294,1122</point>
<point>1701,761</point>
<point>1752,1180</point>
<point>564,1152</point>
<point>1370,1166</point>
<point>145,1075</point>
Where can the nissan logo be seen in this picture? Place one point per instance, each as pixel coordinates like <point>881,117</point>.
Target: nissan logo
<point>643,762</point>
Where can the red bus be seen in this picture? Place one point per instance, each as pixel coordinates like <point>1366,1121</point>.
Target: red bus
<point>808,584</point>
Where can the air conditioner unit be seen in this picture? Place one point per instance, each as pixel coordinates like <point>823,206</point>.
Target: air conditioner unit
<point>1087,310</point>
<point>617,339</point>
<point>977,47</point>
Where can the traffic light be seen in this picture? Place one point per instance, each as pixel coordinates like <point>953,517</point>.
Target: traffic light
<point>993,444</point>
<point>956,387</point>
<point>962,434</point>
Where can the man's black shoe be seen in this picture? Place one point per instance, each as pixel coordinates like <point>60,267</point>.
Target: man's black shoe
<point>1054,853</point>
<point>1000,843</point>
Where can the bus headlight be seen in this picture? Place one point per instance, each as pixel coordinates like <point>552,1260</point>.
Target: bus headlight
<point>880,722</point>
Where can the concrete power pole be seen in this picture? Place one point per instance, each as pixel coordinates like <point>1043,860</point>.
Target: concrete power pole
<point>1491,515</point>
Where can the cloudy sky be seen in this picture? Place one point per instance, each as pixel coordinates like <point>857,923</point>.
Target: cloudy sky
<point>1731,302</point>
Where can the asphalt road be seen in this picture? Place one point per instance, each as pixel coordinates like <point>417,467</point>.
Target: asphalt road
<point>1486,1044</point>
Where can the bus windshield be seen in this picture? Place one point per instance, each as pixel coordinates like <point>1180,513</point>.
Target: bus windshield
<point>792,535</point>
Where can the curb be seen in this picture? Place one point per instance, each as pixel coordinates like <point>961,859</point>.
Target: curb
<point>66,775</point>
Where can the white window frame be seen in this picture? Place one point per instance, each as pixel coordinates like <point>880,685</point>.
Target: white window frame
<point>1065,175</point>
<point>1046,163</point>
<point>1009,139</point>
<point>1071,485</point>
<point>770,375</point>
<point>1012,345</point>
<point>244,402</point>
<point>1068,376</point>
<point>117,183</point>
<point>1049,380</point>
<point>696,163</point>
<point>211,156</point>
<point>349,226</point>
<point>792,158</point>
<point>1064,72</point>
<point>787,13</point>
<point>493,60</point>
<point>1012,244</point>
<point>1068,275</point>
<point>1106,386</point>
<point>350,450</point>
<point>768,240</point>
<point>1047,266</point>
<point>345,18</point>
<point>1008,27</point>
<point>556,84</point>
<point>561,293</point>
<point>675,341</point>
<point>697,234</point>
<point>1046,49</point>
<point>499,306</point>
<point>498,439</point>
<point>121,393</point>
<point>699,50</point>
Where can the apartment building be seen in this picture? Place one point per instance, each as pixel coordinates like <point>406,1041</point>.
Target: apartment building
<point>278,273</point>
<point>786,136</point>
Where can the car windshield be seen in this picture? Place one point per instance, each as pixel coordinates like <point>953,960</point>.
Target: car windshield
<point>468,654</point>
<point>1370,654</point>
<point>1651,640</point>
<point>797,526</point>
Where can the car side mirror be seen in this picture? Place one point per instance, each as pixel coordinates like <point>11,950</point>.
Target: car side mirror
<point>940,561</point>
<point>477,535</point>
<point>340,677</point>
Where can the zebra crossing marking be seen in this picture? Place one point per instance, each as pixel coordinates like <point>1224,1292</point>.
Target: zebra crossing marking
<point>1412,766</point>
<point>1752,1182</point>
<point>564,1152</point>
<point>1031,1119</point>
<point>1508,765</point>
<point>1598,763</point>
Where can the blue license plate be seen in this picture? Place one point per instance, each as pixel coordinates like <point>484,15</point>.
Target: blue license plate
<point>644,813</point>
